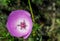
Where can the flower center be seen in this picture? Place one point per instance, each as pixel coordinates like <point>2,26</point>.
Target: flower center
<point>22,25</point>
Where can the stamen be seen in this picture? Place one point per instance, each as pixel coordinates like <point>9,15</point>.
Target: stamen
<point>22,25</point>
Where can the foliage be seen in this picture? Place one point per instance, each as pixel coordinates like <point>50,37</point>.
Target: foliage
<point>46,16</point>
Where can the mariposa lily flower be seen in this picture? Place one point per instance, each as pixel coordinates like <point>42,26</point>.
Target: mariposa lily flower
<point>19,23</point>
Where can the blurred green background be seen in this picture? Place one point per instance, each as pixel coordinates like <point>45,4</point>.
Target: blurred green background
<point>44,13</point>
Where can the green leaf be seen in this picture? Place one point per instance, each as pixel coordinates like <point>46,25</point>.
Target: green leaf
<point>58,2</point>
<point>3,2</point>
<point>37,1</point>
<point>30,39</point>
<point>36,26</point>
<point>58,21</point>
<point>58,36</point>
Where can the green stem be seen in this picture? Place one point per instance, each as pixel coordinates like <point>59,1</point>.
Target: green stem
<point>53,23</point>
<point>31,10</point>
<point>18,2</point>
<point>53,18</point>
<point>41,38</point>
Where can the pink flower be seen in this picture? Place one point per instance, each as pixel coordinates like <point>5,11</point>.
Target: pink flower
<point>19,23</point>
